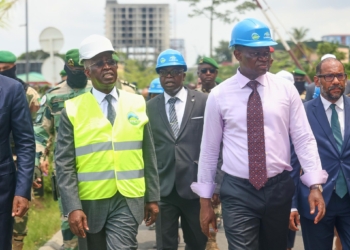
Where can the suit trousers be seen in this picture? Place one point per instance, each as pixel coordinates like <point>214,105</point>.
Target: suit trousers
<point>320,236</point>
<point>120,229</point>
<point>257,219</point>
<point>7,190</point>
<point>171,208</point>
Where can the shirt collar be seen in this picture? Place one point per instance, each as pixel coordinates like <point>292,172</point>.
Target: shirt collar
<point>100,96</point>
<point>182,95</point>
<point>327,104</point>
<point>243,80</point>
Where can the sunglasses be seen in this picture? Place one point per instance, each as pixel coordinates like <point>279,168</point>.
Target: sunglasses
<point>173,72</point>
<point>330,77</point>
<point>205,70</point>
<point>100,64</point>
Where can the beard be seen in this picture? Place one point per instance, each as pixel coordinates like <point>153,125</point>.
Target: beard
<point>332,97</point>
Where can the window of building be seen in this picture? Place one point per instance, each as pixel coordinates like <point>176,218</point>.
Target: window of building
<point>143,9</point>
<point>130,28</point>
<point>131,9</point>
<point>130,22</point>
<point>123,16</point>
<point>150,28</point>
<point>143,22</point>
<point>143,35</point>
<point>150,22</point>
<point>123,9</point>
<point>130,15</point>
<point>130,34</point>
<point>150,16</point>
<point>150,9</point>
<point>143,16</point>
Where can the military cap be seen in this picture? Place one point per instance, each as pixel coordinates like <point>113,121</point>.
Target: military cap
<point>63,73</point>
<point>72,58</point>
<point>7,57</point>
<point>299,72</point>
<point>208,60</point>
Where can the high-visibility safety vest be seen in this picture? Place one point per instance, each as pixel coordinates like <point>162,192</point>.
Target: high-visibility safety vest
<point>108,159</point>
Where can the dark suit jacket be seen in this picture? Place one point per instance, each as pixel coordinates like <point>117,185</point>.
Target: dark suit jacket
<point>15,117</point>
<point>177,159</point>
<point>332,160</point>
<point>95,210</point>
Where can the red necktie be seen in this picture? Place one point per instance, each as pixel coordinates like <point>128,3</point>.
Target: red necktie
<point>256,138</point>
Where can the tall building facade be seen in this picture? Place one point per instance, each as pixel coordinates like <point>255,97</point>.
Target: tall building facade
<point>343,39</point>
<point>139,30</point>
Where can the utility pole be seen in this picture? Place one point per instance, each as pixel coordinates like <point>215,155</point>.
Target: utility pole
<point>27,41</point>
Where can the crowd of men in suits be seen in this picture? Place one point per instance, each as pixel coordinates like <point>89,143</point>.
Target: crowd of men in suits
<point>250,145</point>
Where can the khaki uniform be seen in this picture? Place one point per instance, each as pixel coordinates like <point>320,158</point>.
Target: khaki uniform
<point>20,225</point>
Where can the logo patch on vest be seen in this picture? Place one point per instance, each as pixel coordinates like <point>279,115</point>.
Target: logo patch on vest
<point>133,118</point>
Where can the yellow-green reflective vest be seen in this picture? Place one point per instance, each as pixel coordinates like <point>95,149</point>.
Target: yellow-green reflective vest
<point>108,158</point>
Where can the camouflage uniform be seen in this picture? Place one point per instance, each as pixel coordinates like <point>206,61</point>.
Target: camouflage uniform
<point>45,130</point>
<point>20,225</point>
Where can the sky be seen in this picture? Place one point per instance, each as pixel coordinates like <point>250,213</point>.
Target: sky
<point>77,19</point>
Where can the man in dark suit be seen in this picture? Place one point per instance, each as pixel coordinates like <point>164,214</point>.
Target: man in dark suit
<point>15,185</point>
<point>105,158</point>
<point>176,118</point>
<point>329,118</point>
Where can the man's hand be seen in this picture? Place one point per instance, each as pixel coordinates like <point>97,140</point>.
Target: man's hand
<point>151,212</point>
<point>44,166</point>
<point>207,216</point>
<point>78,223</point>
<point>294,221</point>
<point>37,183</point>
<point>216,200</point>
<point>20,206</point>
<point>316,200</point>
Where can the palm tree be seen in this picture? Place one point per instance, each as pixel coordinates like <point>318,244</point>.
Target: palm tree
<point>299,33</point>
<point>5,6</point>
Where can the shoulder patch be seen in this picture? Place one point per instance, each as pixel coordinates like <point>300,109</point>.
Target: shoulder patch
<point>43,100</point>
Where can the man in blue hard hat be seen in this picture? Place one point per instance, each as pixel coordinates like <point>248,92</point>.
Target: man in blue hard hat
<point>176,119</point>
<point>155,88</point>
<point>255,113</point>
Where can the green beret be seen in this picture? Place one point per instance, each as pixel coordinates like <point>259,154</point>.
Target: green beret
<point>72,58</point>
<point>208,60</point>
<point>63,73</point>
<point>7,57</point>
<point>115,57</point>
<point>298,72</point>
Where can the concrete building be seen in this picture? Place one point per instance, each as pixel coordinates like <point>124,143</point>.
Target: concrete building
<point>139,30</point>
<point>343,39</point>
<point>179,45</point>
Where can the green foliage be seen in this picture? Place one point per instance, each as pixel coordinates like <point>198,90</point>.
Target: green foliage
<point>222,52</point>
<point>38,55</point>
<point>347,69</point>
<point>329,48</point>
<point>227,71</point>
<point>5,6</point>
<point>190,77</point>
<point>139,72</point>
<point>299,34</point>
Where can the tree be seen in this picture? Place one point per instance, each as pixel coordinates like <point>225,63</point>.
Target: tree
<point>299,34</point>
<point>223,53</point>
<point>211,12</point>
<point>38,55</point>
<point>5,6</point>
<point>329,48</point>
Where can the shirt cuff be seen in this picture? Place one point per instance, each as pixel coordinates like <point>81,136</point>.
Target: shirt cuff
<point>294,210</point>
<point>314,177</point>
<point>204,190</point>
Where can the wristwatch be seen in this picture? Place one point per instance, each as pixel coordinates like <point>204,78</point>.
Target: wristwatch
<point>316,186</point>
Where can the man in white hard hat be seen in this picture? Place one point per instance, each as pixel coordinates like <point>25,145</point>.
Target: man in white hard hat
<point>105,158</point>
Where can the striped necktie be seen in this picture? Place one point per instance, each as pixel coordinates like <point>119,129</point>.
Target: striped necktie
<point>110,109</point>
<point>172,116</point>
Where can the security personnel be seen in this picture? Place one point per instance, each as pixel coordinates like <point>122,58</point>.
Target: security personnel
<point>47,121</point>
<point>8,68</point>
<point>299,82</point>
<point>207,71</point>
<point>106,165</point>
<point>155,88</point>
<point>63,75</point>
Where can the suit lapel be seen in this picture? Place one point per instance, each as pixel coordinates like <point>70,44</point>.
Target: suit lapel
<point>188,110</point>
<point>347,121</point>
<point>162,113</point>
<point>321,117</point>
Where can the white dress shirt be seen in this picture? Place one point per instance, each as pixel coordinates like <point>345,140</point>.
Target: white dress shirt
<point>179,104</point>
<point>339,107</point>
<point>102,102</point>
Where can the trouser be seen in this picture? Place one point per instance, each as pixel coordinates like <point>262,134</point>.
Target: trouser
<point>320,236</point>
<point>257,219</point>
<point>170,209</point>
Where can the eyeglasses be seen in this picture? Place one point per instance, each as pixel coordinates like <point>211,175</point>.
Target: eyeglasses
<point>173,72</point>
<point>205,70</point>
<point>330,77</point>
<point>264,55</point>
<point>100,64</point>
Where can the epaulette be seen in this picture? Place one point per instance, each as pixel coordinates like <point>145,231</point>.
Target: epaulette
<point>126,83</point>
<point>52,89</point>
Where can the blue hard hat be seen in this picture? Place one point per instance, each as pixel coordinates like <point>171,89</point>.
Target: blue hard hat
<point>170,57</point>
<point>155,87</point>
<point>316,93</point>
<point>251,33</point>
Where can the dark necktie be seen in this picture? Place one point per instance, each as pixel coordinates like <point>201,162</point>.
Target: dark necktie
<point>172,116</point>
<point>340,184</point>
<point>256,138</point>
<point>110,109</point>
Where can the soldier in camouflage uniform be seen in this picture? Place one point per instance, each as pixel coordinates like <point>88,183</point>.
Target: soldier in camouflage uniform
<point>207,73</point>
<point>8,68</point>
<point>48,118</point>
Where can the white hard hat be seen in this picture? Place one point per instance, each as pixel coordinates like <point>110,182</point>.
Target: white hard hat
<point>286,75</point>
<point>93,45</point>
<point>327,56</point>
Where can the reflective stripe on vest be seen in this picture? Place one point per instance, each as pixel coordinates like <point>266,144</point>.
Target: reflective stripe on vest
<point>108,158</point>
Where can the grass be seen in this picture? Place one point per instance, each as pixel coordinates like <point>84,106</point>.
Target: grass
<point>44,221</point>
